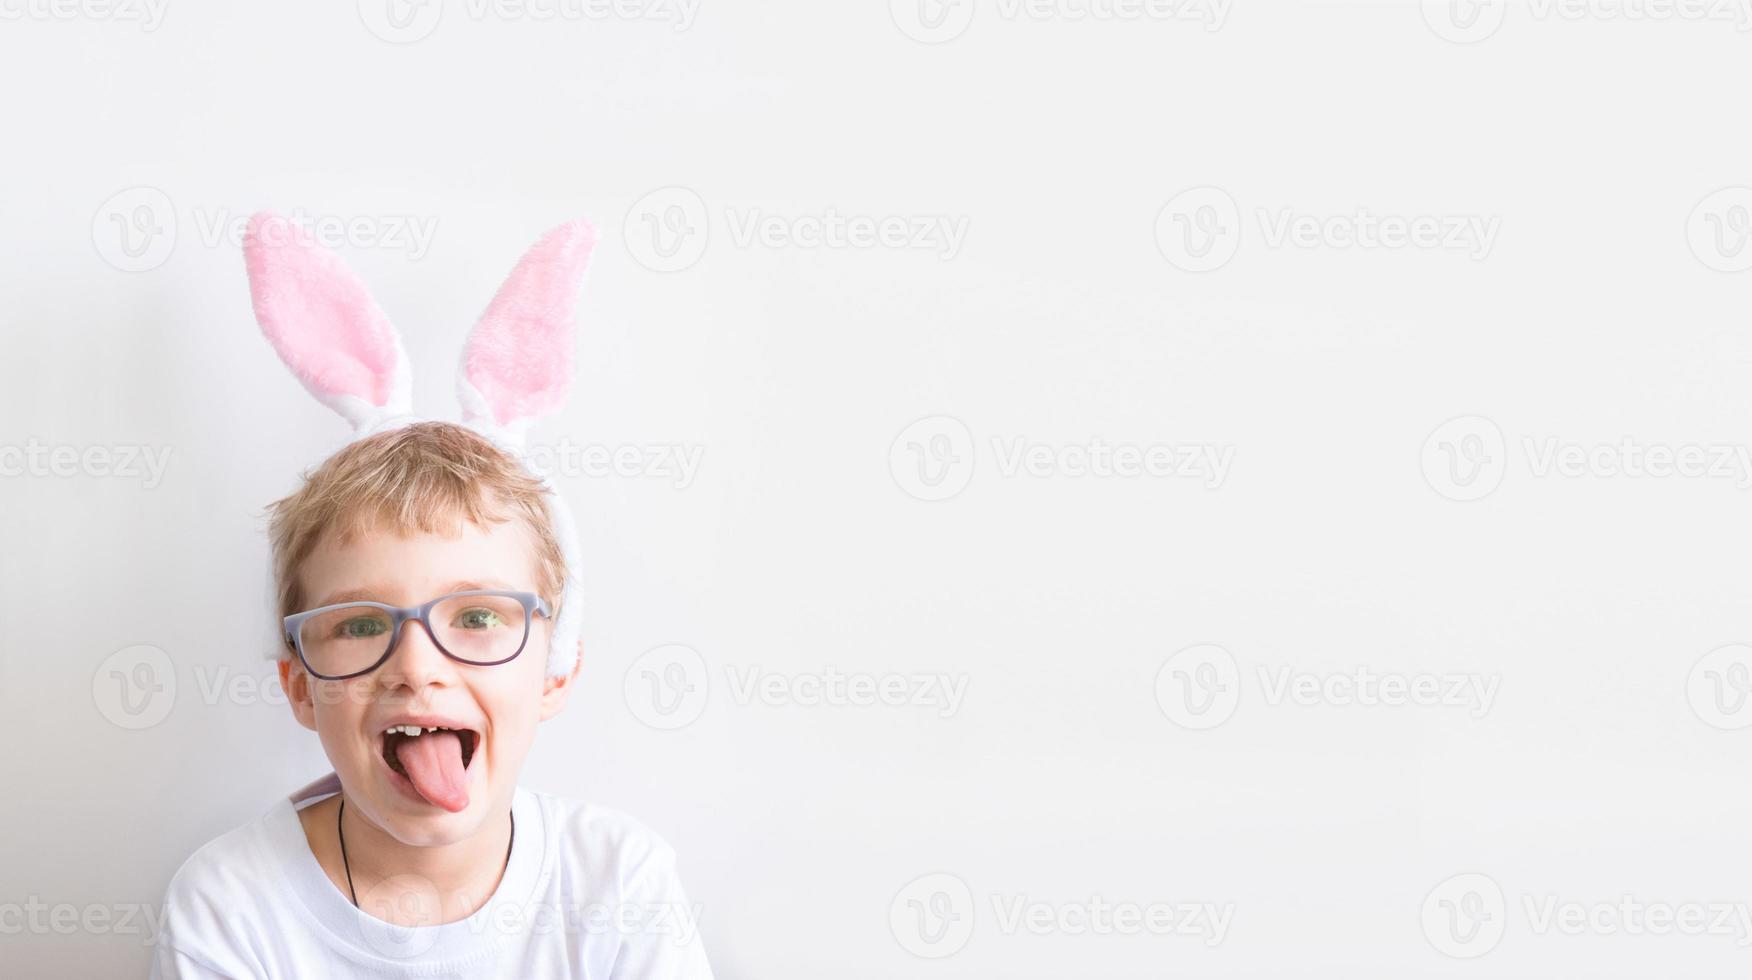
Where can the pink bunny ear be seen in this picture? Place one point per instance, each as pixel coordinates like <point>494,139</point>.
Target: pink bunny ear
<point>517,364</point>
<point>324,324</point>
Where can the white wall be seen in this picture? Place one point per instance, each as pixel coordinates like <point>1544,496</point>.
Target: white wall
<point>1605,763</point>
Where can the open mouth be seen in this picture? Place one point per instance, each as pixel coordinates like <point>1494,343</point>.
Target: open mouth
<point>434,761</point>
<point>398,735</point>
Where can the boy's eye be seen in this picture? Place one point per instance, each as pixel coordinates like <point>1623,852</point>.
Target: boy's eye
<point>478,618</point>
<point>362,627</point>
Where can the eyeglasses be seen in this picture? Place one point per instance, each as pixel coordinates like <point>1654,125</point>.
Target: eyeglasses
<point>482,628</point>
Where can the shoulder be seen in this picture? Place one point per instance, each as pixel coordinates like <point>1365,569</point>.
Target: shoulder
<point>213,895</point>
<point>221,868</point>
<point>603,842</point>
<point>623,875</point>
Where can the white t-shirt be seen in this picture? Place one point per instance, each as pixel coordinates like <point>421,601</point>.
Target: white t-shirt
<point>588,892</point>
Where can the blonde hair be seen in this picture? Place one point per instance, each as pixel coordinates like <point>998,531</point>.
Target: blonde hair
<point>424,476</point>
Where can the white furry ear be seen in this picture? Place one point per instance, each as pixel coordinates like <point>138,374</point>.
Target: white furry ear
<point>325,326</point>
<point>569,623</point>
<point>517,364</point>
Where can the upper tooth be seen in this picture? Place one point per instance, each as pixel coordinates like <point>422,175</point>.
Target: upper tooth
<point>414,729</point>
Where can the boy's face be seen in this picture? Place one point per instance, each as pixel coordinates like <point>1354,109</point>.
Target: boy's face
<point>500,705</point>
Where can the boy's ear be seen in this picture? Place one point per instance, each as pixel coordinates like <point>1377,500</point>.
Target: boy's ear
<point>555,690</point>
<point>296,683</point>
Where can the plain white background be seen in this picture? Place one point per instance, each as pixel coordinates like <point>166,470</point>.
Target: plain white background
<point>1535,549</point>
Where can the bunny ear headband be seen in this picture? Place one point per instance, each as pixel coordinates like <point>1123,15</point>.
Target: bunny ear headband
<point>516,365</point>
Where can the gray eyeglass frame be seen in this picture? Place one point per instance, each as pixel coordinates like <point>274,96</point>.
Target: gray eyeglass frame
<point>533,605</point>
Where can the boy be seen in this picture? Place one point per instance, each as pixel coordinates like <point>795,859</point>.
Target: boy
<point>422,573</point>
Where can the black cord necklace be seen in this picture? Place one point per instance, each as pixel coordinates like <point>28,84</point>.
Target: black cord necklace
<point>342,834</point>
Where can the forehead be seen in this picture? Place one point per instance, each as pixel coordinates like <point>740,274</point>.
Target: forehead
<point>406,567</point>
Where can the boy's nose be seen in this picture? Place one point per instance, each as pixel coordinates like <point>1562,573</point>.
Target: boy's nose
<point>416,660</point>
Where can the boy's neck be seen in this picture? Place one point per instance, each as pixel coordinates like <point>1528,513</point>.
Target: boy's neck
<point>407,884</point>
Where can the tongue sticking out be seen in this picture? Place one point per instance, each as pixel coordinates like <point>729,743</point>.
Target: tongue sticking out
<point>434,764</point>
